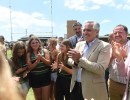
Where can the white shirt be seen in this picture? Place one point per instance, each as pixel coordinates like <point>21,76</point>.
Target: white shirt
<point>85,52</point>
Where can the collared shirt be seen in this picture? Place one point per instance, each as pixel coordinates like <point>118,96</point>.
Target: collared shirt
<point>114,71</point>
<point>78,38</point>
<point>74,39</point>
<point>85,52</point>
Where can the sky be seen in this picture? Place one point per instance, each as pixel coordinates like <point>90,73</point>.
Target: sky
<point>19,18</point>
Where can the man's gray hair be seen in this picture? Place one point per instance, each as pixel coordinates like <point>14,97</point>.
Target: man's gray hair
<point>96,25</point>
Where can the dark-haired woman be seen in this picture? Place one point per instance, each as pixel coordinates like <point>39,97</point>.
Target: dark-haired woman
<point>19,66</point>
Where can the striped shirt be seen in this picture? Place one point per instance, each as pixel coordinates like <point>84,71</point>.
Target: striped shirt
<point>41,67</point>
<point>114,72</point>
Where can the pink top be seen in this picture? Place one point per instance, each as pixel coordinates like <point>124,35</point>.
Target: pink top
<point>125,70</point>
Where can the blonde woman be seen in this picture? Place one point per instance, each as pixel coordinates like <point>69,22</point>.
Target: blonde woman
<point>52,42</point>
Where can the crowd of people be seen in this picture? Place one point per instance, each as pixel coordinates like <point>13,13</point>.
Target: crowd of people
<point>82,67</point>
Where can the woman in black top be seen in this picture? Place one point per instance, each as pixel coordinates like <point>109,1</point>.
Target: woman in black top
<point>64,72</point>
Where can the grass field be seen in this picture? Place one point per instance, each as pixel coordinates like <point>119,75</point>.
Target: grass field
<point>30,95</point>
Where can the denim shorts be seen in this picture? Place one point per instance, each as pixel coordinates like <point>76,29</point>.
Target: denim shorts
<point>25,87</point>
<point>53,76</point>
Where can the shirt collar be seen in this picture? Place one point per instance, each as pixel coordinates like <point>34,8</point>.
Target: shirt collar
<point>91,43</point>
<point>78,36</point>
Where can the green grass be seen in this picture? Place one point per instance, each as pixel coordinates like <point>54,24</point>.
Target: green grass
<point>9,54</point>
<point>30,95</point>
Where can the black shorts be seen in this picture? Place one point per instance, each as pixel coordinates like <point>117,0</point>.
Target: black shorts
<point>37,81</point>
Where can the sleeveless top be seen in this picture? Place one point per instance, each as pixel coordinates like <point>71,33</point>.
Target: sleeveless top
<point>62,72</point>
<point>41,67</point>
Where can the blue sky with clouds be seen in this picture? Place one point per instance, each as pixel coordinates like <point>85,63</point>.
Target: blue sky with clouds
<point>34,16</point>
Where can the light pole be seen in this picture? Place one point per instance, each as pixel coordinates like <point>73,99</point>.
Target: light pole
<point>51,20</point>
<point>26,31</point>
<point>10,21</point>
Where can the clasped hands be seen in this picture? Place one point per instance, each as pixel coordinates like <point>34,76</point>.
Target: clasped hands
<point>38,57</point>
<point>75,55</point>
<point>118,51</point>
<point>56,66</point>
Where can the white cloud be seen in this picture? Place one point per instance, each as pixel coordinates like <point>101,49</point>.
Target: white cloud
<point>126,6</point>
<point>128,1</point>
<point>23,20</point>
<point>46,2</point>
<point>35,22</point>
<point>119,6</point>
<point>103,2</point>
<point>105,21</point>
<point>85,5</point>
<point>4,13</point>
<point>37,14</point>
<point>76,4</point>
<point>123,6</point>
<point>94,7</point>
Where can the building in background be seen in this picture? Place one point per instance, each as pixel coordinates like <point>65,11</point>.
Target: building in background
<point>70,31</point>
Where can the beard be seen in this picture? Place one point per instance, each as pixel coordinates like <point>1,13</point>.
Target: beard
<point>78,33</point>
